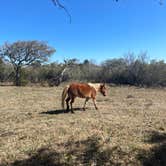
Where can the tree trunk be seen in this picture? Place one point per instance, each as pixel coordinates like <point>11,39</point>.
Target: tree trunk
<point>18,76</point>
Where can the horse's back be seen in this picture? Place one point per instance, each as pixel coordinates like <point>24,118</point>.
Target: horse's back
<point>82,90</point>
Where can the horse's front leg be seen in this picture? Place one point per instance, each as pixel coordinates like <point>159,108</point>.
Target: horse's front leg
<point>94,102</point>
<point>86,100</point>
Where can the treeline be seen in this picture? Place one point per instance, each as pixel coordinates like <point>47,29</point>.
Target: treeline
<point>130,70</point>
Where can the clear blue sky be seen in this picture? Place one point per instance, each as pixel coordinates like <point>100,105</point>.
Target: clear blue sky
<point>100,29</point>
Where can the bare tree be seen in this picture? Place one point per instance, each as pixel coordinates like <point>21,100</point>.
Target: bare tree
<point>66,66</point>
<point>23,53</point>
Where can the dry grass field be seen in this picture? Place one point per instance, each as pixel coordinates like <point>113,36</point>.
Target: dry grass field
<point>128,129</point>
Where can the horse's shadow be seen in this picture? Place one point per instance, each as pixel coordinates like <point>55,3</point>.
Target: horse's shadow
<point>60,111</point>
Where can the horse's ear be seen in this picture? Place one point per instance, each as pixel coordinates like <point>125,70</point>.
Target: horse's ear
<point>102,85</point>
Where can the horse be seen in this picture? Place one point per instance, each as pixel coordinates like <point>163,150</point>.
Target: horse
<point>82,90</point>
<point>94,85</point>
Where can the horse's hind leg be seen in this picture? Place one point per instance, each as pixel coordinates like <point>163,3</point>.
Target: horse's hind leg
<point>71,104</point>
<point>67,104</point>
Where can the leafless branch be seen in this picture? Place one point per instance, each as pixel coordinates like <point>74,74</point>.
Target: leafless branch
<point>58,4</point>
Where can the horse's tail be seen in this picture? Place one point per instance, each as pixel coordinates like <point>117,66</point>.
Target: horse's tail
<point>64,94</point>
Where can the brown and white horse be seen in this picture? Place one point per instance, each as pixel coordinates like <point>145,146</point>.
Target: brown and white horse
<point>82,90</point>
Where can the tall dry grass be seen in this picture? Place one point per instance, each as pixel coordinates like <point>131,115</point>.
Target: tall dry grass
<point>129,129</point>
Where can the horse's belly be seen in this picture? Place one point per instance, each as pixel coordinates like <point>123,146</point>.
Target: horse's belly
<point>84,95</point>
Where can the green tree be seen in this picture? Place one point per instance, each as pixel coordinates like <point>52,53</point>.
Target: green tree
<point>1,70</point>
<point>24,53</point>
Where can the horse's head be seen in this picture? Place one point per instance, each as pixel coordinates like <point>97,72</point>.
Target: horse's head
<point>103,89</point>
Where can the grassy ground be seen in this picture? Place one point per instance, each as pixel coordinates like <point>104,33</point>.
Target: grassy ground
<point>128,129</point>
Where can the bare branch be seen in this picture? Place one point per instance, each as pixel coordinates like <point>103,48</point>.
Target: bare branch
<point>58,4</point>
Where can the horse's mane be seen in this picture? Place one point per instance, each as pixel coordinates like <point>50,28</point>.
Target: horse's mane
<point>95,85</point>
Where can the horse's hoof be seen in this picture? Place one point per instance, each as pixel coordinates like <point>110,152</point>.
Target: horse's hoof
<point>66,111</point>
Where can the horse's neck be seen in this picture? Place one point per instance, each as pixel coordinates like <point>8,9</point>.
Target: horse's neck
<point>96,86</point>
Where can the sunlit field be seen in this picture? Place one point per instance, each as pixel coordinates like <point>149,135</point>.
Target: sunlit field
<point>128,129</point>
